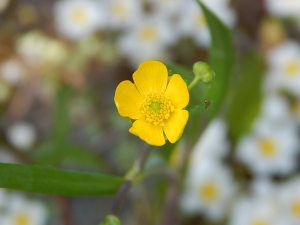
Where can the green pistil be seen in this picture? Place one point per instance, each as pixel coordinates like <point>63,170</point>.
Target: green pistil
<point>155,106</point>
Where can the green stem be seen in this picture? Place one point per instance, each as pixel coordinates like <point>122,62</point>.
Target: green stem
<point>132,177</point>
<point>137,167</point>
<point>194,82</point>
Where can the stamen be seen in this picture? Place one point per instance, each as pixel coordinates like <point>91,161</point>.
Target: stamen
<point>157,108</point>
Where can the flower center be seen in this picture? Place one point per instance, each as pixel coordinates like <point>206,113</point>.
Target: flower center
<point>296,208</point>
<point>267,147</point>
<point>259,222</point>
<point>79,16</point>
<point>292,68</point>
<point>201,20</point>
<point>148,33</point>
<point>119,9</point>
<point>21,219</point>
<point>208,192</point>
<point>157,108</point>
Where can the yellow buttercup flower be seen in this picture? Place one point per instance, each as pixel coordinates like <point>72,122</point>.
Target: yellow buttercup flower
<point>155,103</point>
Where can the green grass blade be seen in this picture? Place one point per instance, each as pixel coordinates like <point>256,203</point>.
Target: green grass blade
<point>246,97</point>
<point>56,182</point>
<point>221,58</point>
<point>62,123</point>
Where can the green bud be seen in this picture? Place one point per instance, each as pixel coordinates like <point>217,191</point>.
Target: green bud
<point>111,220</point>
<point>203,72</point>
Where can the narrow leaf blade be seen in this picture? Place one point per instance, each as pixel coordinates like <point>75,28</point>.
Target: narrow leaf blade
<point>246,95</point>
<point>221,58</point>
<point>197,109</point>
<point>56,182</point>
<point>62,123</point>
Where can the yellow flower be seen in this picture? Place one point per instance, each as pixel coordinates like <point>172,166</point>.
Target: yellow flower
<point>155,103</point>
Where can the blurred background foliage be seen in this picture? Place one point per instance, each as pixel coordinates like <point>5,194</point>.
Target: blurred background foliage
<point>237,163</point>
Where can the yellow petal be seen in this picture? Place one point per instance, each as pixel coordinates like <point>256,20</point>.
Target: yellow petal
<point>128,100</point>
<point>151,76</point>
<point>177,92</point>
<point>153,135</point>
<point>174,126</point>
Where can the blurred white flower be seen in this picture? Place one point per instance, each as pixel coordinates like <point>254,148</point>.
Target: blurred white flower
<point>31,47</point>
<point>262,187</point>
<point>77,19</point>
<point>192,22</point>
<point>3,198</point>
<point>6,157</point>
<point>283,8</point>
<point>21,211</point>
<point>123,13</point>
<point>55,52</point>
<point>255,210</point>
<point>146,40</point>
<point>37,49</point>
<point>21,135</point>
<point>209,189</point>
<point>272,145</point>
<point>213,142</point>
<point>12,71</point>
<point>167,8</point>
<point>284,68</point>
<point>222,10</point>
<point>275,108</point>
<point>289,198</point>
<point>3,5</point>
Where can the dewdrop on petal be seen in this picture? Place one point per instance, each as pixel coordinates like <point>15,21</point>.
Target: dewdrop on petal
<point>203,71</point>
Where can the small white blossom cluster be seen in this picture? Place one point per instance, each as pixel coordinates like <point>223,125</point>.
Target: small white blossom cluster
<point>268,204</point>
<point>284,9</point>
<point>209,186</point>
<point>16,209</point>
<point>269,149</point>
<point>145,28</point>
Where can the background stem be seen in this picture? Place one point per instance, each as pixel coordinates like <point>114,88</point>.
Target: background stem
<point>130,177</point>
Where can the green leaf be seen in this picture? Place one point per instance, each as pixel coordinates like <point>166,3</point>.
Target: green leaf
<point>51,153</point>
<point>58,149</point>
<point>221,59</point>
<point>197,109</point>
<point>57,182</point>
<point>246,95</point>
<point>111,220</point>
<point>62,123</point>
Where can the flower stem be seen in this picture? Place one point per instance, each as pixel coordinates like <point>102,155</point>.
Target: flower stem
<point>120,198</point>
<point>194,82</point>
<point>131,179</point>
